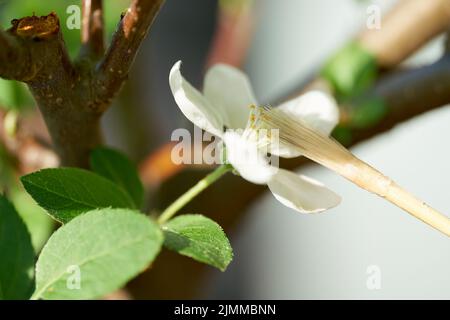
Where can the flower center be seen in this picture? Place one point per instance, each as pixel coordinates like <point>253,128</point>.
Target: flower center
<point>257,131</point>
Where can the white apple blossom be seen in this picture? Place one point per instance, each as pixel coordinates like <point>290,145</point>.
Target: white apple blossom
<point>224,104</point>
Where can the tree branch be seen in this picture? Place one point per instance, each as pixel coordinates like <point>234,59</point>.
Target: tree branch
<point>408,94</point>
<point>92,33</point>
<point>133,28</point>
<point>15,61</point>
<point>405,29</point>
<point>73,98</point>
<point>36,55</point>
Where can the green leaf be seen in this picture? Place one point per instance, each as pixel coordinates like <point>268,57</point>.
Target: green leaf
<point>116,167</point>
<point>368,112</point>
<point>200,238</point>
<point>351,70</point>
<point>68,192</point>
<point>17,254</point>
<point>95,254</point>
<point>14,95</point>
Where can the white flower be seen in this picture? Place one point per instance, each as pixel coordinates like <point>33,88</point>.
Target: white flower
<point>224,104</point>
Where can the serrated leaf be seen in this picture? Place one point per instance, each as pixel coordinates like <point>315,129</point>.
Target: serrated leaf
<point>68,192</point>
<point>95,254</point>
<point>199,238</point>
<point>116,167</point>
<point>17,255</point>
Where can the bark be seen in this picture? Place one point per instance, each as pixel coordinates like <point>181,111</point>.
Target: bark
<point>92,36</point>
<point>73,96</point>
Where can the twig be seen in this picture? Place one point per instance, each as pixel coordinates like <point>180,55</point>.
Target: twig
<point>133,28</point>
<point>232,37</point>
<point>92,31</point>
<point>408,94</point>
<point>405,29</point>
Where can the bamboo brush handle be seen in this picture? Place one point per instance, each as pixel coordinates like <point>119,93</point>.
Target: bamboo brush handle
<point>374,181</point>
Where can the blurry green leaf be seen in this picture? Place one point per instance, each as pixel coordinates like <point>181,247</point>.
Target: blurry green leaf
<point>95,254</point>
<point>17,254</point>
<point>367,112</point>
<point>68,192</point>
<point>116,167</point>
<point>7,94</point>
<point>351,70</point>
<point>14,95</point>
<point>200,238</point>
<point>7,176</point>
<point>37,221</point>
<point>343,135</point>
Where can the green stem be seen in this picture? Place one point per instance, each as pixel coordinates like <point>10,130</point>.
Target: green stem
<point>193,192</point>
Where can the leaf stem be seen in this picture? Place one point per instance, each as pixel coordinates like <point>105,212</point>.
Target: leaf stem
<point>171,210</point>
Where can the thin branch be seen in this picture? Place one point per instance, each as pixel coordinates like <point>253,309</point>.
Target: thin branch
<point>232,37</point>
<point>36,50</point>
<point>408,94</point>
<point>92,33</point>
<point>133,28</point>
<point>405,29</point>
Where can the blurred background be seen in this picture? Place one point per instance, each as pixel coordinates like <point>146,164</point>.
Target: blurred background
<point>365,248</point>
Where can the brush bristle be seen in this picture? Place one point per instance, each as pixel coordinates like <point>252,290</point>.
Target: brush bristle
<point>311,143</point>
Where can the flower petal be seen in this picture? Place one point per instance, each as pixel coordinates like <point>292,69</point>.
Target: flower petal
<point>302,193</point>
<point>193,105</point>
<point>316,109</point>
<point>245,157</point>
<point>229,89</point>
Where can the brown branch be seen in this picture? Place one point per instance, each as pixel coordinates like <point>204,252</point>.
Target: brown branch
<point>73,98</point>
<point>133,28</point>
<point>232,38</point>
<point>92,37</point>
<point>64,97</point>
<point>15,61</point>
<point>408,94</point>
<point>406,28</point>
